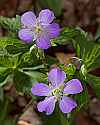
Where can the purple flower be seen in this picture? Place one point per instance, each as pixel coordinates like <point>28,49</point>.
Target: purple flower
<point>40,29</point>
<point>57,91</point>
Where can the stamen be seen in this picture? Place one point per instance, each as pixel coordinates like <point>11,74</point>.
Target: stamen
<point>38,28</point>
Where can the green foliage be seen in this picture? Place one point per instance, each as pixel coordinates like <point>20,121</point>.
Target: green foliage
<point>91,54</point>
<point>51,60</point>
<point>12,24</point>
<point>54,118</point>
<point>24,80</point>
<point>95,64</point>
<point>7,65</point>
<point>66,35</point>
<point>86,48</point>
<point>25,64</point>
<point>95,84</point>
<point>4,112</point>
<point>9,121</point>
<point>13,45</point>
<point>82,98</point>
<point>1,94</point>
<point>31,59</point>
<point>36,76</point>
<point>83,72</point>
<point>69,70</point>
<point>21,81</point>
<point>9,61</point>
<point>4,41</point>
<point>97,35</point>
<point>34,68</point>
<point>4,77</point>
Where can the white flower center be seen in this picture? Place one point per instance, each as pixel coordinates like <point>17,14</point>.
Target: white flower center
<point>57,92</point>
<point>38,28</point>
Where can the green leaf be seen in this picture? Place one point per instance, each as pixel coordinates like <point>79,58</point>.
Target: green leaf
<point>3,51</point>
<point>37,76</point>
<point>28,61</point>
<point>51,60</point>
<point>83,71</point>
<point>12,24</point>
<point>22,81</point>
<point>5,77</point>
<point>4,41</point>
<point>70,70</point>
<point>9,61</point>
<point>97,35</point>
<point>95,84</point>
<point>53,119</point>
<point>1,94</point>
<point>91,55</point>
<point>12,45</point>
<point>7,66</point>
<point>96,64</point>
<point>66,36</point>
<point>87,49</point>
<point>78,50</point>
<point>9,121</point>
<point>82,99</point>
<point>4,112</point>
<point>33,68</point>
<point>15,49</point>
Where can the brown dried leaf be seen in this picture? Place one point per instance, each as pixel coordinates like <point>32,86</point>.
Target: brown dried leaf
<point>29,117</point>
<point>64,58</point>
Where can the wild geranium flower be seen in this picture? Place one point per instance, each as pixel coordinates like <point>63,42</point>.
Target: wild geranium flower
<point>57,91</point>
<point>40,29</point>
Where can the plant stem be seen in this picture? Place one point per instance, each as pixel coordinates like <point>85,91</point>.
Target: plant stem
<point>63,119</point>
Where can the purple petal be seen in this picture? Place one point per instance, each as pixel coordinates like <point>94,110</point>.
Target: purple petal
<point>40,89</point>
<point>28,19</point>
<point>43,41</point>
<point>56,76</point>
<point>47,105</point>
<point>73,86</point>
<point>67,104</point>
<point>53,30</point>
<point>26,35</point>
<point>46,16</point>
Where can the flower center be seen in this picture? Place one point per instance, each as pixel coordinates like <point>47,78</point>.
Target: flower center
<point>56,91</point>
<point>38,29</point>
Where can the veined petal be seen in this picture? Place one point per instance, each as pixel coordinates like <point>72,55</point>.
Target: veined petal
<point>47,105</point>
<point>66,104</point>
<point>56,76</point>
<point>26,35</point>
<point>73,87</point>
<point>40,89</point>
<point>53,30</point>
<point>46,16</point>
<point>28,19</point>
<point>43,41</point>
